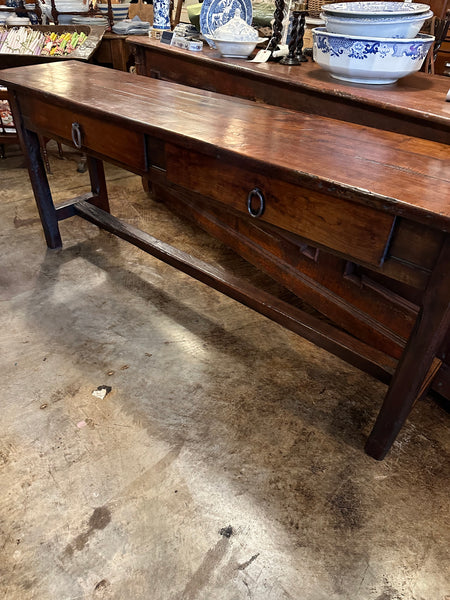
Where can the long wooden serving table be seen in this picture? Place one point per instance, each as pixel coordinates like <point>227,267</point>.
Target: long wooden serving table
<point>287,189</point>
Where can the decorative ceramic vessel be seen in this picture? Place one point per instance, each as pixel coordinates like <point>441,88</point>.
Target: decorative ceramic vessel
<point>216,13</point>
<point>374,8</point>
<point>360,59</point>
<point>161,14</point>
<point>237,48</point>
<point>387,26</point>
<point>236,39</point>
<point>236,28</point>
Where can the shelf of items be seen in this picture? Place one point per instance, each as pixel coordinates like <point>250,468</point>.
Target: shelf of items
<point>8,134</point>
<point>82,52</point>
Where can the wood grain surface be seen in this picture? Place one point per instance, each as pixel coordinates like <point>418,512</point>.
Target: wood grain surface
<point>418,96</point>
<point>365,195</point>
<point>394,172</point>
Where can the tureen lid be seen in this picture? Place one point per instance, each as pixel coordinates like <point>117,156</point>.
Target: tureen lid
<point>235,29</point>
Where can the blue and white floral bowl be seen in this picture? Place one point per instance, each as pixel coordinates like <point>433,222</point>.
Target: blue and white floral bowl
<point>375,8</point>
<point>361,59</point>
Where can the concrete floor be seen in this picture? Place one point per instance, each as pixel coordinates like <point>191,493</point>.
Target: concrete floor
<point>227,461</point>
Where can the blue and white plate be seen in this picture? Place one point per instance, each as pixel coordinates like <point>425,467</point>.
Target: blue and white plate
<point>215,13</point>
<point>371,8</point>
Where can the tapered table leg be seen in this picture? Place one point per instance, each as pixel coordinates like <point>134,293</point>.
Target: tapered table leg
<point>418,363</point>
<point>38,177</point>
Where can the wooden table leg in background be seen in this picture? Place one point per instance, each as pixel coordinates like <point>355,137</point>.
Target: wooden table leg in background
<point>98,183</point>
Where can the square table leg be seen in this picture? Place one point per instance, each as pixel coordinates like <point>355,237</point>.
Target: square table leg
<point>418,362</point>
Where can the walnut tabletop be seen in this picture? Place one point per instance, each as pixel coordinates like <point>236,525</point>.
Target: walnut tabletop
<point>396,172</point>
<point>353,219</point>
<point>414,105</point>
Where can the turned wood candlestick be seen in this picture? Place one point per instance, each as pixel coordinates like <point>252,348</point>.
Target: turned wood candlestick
<point>277,25</point>
<point>302,12</point>
<point>295,55</point>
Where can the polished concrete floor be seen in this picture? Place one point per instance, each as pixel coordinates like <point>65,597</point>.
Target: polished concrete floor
<point>225,463</point>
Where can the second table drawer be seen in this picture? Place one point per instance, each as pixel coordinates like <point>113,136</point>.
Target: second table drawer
<point>354,230</point>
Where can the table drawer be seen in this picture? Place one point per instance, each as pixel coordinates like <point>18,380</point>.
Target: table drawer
<point>102,137</point>
<point>356,231</point>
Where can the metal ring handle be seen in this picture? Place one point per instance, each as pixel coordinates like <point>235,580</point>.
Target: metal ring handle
<point>256,193</point>
<point>76,135</point>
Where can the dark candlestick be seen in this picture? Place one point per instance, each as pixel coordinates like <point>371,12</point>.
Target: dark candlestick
<point>295,56</point>
<point>301,8</point>
<point>292,58</point>
<point>277,25</point>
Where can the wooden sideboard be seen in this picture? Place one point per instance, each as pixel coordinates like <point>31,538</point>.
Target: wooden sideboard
<point>415,105</point>
<point>302,196</point>
<point>113,51</point>
<point>442,65</point>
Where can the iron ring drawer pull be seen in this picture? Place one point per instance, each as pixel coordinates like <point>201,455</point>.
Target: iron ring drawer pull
<point>76,135</point>
<point>259,196</point>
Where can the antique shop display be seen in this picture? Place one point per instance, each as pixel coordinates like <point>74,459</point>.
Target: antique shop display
<point>372,42</point>
<point>62,11</point>
<point>46,43</point>
<point>292,213</point>
<point>17,13</point>
<point>24,41</point>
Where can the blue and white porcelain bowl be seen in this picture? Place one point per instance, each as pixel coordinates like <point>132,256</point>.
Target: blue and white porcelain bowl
<point>375,8</point>
<point>120,11</point>
<point>387,26</point>
<point>237,48</point>
<point>363,59</point>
